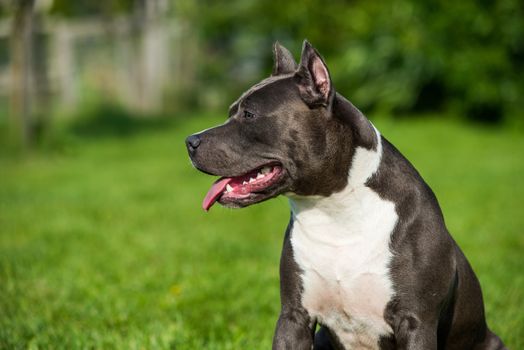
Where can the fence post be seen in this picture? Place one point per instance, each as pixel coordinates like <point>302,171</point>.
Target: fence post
<point>62,61</point>
<point>21,73</point>
<point>150,24</point>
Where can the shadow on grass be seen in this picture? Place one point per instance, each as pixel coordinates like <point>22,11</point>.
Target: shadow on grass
<point>112,121</point>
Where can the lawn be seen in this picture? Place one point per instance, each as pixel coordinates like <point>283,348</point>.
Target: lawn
<point>103,243</point>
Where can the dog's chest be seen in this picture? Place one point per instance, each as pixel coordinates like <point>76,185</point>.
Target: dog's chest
<point>343,253</point>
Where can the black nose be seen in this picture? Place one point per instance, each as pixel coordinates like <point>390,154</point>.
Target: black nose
<point>192,142</point>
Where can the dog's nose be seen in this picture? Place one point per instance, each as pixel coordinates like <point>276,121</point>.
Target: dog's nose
<point>192,142</point>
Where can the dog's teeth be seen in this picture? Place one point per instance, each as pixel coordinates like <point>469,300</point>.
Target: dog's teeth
<point>251,180</point>
<point>265,170</point>
<point>244,183</point>
<point>259,176</point>
<point>229,188</point>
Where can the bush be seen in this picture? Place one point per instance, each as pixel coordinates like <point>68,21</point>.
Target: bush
<point>401,57</point>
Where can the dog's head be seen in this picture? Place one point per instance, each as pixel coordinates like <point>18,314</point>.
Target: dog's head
<point>281,136</point>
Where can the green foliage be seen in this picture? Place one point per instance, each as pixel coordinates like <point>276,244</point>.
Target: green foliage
<point>104,245</point>
<point>400,57</point>
<point>89,8</point>
<point>403,56</point>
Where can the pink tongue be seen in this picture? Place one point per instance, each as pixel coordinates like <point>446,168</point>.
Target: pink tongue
<point>214,192</point>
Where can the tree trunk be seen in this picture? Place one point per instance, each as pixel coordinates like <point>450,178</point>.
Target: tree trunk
<point>22,73</point>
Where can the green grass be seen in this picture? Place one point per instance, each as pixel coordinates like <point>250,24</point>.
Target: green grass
<point>104,244</point>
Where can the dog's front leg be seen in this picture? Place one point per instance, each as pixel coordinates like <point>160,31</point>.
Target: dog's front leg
<point>295,328</point>
<point>411,333</point>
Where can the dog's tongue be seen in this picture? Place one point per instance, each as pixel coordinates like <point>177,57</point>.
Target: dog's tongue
<point>214,192</point>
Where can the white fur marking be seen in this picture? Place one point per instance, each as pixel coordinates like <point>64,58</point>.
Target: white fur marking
<point>341,243</point>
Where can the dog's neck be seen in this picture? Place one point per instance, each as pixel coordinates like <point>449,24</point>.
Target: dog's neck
<point>365,162</point>
<point>363,132</point>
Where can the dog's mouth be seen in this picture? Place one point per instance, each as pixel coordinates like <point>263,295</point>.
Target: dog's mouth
<point>246,189</point>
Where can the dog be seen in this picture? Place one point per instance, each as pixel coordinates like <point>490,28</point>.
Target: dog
<point>366,255</point>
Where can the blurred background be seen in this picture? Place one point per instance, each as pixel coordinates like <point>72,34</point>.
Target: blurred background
<point>102,242</point>
<point>161,57</point>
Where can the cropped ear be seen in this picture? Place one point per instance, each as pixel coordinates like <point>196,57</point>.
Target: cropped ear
<point>313,78</point>
<point>284,61</point>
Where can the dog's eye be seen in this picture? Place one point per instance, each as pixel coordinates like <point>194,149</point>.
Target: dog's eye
<point>248,115</point>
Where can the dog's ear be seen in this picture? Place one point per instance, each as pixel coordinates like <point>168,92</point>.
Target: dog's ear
<point>284,61</point>
<point>313,78</point>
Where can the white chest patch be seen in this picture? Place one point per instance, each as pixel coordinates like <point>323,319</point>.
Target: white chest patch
<point>341,244</point>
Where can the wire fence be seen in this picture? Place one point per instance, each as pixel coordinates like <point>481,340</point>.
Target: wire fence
<point>137,66</point>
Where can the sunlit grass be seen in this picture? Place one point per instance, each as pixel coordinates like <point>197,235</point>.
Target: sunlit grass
<point>104,243</point>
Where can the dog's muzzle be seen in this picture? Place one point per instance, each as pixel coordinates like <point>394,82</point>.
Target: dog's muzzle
<point>192,143</point>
